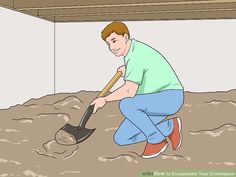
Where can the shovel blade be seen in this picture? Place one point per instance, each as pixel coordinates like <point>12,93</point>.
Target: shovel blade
<point>70,135</point>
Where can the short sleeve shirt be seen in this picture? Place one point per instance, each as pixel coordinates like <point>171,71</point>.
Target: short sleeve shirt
<point>148,68</point>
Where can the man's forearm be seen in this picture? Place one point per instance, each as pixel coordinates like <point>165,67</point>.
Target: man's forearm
<point>118,94</point>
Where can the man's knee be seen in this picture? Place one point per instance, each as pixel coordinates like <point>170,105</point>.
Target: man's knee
<point>118,140</point>
<point>126,105</point>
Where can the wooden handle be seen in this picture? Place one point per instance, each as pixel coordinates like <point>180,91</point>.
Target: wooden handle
<point>110,84</point>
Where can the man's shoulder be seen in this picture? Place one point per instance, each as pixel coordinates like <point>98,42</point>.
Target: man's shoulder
<point>142,49</point>
<point>142,45</point>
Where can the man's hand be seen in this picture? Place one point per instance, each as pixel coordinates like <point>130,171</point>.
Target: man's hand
<point>98,103</point>
<point>122,69</point>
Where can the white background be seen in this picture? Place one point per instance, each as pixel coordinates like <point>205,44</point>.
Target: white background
<point>202,52</point>
<point>26,57</point>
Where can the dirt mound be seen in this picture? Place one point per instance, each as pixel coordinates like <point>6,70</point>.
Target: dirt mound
<point>28,146</point>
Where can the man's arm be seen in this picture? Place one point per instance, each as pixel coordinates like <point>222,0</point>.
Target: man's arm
<point>129,89</point>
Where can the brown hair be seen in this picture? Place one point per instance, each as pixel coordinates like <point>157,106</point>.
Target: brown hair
<point>117,27</point>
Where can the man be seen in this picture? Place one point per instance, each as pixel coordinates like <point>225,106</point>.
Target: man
<point>151,92</point>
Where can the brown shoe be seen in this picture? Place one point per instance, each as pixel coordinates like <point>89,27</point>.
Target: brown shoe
<point>176,135</point>
<point>153,150</point>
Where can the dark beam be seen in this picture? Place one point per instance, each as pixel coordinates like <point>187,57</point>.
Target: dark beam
<point>136,9</point>
<point>54,4</point>
<point>34,12</point>
<point>110,10</point>
<point>7,3</point>
<point>171,15</point>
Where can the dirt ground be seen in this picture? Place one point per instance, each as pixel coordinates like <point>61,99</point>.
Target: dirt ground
<point>28,146</point>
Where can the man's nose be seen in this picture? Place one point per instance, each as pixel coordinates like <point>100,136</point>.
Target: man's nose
<point>112,47</point>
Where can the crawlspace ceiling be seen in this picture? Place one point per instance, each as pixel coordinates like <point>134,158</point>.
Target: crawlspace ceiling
<point>123,10</point>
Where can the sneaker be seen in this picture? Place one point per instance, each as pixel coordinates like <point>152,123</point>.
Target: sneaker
<point>153,150</point>
<point>176,135</point>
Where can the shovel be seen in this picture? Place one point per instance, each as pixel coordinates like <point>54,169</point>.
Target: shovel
<point>69,134</point>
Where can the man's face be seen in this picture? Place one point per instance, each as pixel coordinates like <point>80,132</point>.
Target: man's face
<point>117,44</point>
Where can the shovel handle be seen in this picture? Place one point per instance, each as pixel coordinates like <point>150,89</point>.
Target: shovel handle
<point>110,84</point>
<point>89,111</point>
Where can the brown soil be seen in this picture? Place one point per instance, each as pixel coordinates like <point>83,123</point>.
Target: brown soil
<point>28,146</point>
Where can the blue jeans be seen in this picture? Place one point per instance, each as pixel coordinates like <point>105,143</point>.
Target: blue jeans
<point>144,117</point>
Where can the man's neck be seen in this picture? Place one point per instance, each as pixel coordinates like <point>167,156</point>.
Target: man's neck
<point>127,47</point>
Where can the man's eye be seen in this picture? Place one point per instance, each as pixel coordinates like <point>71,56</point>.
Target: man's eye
<point>114,41</point>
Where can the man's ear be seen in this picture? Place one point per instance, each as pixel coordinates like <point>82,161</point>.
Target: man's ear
<point>126,37</point>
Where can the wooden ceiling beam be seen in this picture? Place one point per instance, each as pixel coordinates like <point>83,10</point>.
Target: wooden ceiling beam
<point>114,4</point>
<point>33,12</point>
<point>7,3</point>
<point>108,10</point>
<point>174,15</point>
<point>29,4</point>
<point>136,9</point>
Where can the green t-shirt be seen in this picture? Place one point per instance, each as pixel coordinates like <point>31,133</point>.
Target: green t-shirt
<point>147,67</point>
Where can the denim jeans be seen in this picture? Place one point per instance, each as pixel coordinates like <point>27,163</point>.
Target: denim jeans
<point>144,117</point>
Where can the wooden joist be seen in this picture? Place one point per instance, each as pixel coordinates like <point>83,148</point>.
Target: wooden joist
<point>125,10</point>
